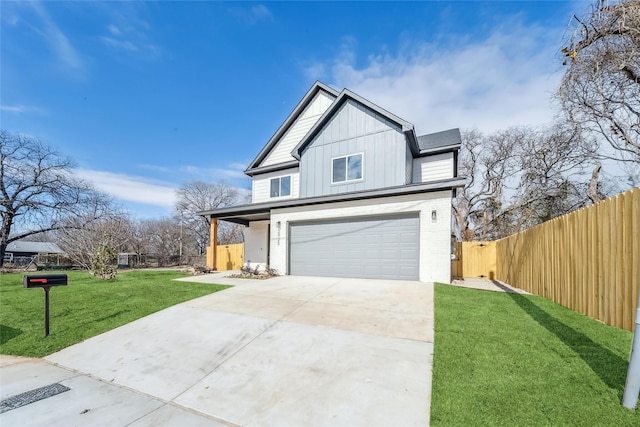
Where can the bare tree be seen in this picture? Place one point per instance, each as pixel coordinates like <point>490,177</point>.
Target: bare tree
<point>230,233</point>
<point>600,91</point>
<point>94,245</point>
<point>198,196</point>
<point>163,239</point>
<point>38,192</point>
<point>518,178</point>
<point>140,240</point>
<point>553,164</point>
<point>488,163</point>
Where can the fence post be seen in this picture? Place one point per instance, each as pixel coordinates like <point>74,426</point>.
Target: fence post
<point>632,386</point>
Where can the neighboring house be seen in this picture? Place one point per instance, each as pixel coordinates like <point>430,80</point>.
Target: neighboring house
<point>346,189</point>
<point>22,253</point>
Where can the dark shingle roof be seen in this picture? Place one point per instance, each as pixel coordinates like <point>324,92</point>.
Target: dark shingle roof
<point>440,141</point>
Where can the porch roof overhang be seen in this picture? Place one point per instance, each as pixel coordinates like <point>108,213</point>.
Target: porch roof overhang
<point>244,214</point>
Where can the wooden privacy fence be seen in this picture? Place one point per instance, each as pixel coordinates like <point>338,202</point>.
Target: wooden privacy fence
<point>588,260</point>
<point>474,259</point>
<point>228,257</point>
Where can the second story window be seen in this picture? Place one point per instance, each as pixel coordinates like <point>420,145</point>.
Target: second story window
<point>281,186</point>
<point>347,168</point>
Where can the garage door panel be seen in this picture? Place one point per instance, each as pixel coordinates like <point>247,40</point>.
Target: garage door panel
<point>375,247</point>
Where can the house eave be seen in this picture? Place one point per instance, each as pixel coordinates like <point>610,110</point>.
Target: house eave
<point>243,214</point>
<point>273,168</point>
<point>439,150</point>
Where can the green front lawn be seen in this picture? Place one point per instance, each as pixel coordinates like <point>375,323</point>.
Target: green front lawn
<point>85,308</point>
<point>521,360</point>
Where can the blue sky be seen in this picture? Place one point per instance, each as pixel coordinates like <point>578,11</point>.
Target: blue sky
<point>147,95</point>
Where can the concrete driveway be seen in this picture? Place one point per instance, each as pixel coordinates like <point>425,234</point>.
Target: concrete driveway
<point>287,351</point>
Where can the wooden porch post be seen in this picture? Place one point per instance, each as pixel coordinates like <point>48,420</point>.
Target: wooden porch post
<point>213,242</point>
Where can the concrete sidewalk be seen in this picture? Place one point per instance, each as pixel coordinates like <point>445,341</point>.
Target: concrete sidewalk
<point>283,351</point>
<point>89,401</point>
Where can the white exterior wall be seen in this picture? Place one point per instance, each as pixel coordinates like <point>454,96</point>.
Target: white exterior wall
<point>261,186</point>
<point>255,244</point>
<point>433,168</point>
<point>282,151</point>
<point>435,237</point>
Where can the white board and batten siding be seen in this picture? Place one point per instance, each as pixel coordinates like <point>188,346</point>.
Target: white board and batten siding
<point>261,191</point>
<point>281,153</point>
<point>433,168</point>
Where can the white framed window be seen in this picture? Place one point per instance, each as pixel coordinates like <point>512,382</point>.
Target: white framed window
<point>346,168</point>
<point>281,186</point>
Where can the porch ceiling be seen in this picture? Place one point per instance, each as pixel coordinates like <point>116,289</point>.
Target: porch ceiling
<point>245,219</point>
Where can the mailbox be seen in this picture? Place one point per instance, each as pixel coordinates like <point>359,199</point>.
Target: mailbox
<point>45,281</point>
<point>40,281</point>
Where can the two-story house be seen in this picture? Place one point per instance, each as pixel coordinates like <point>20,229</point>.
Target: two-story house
<point>344,188</point>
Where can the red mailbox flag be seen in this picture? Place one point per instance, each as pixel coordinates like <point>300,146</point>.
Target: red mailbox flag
<point>44,280</point>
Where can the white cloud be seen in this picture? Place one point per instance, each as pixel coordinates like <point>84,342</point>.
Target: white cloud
<point>129,33</point>
<point>232,171</point>
<point>131,188</point>
<point>58,41</point>
<point>260,12</point>
<point>503,80</point>
<point>252,15</point>
<point>114,30</point>
<point>21,109</point>
<point>156,168</point>
<point>119,44</point>
<point>144,197</point>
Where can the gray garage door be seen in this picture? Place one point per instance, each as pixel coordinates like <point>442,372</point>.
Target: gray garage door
<point>374,247</point>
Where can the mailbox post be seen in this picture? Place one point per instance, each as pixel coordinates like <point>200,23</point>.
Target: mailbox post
<point>46,282</point>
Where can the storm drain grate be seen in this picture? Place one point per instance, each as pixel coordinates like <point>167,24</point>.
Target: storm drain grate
<point>22,399</point>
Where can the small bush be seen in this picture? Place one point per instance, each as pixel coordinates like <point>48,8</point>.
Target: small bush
<point>255,273</point>
<point>103,263</point>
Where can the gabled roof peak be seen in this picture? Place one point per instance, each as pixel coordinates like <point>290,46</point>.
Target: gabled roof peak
<point>433,143</point>
<point>304,102</point>
<point>406,126</point>
<point>344,96</point>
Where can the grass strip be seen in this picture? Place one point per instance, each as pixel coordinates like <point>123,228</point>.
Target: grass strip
<point>507,359</point>
<point>86,307</point>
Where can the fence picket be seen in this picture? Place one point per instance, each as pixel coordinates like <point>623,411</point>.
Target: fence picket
<point>588,260</point>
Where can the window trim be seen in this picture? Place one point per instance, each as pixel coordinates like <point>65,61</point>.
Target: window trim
<point>279,178</point>
<point>346,165</point>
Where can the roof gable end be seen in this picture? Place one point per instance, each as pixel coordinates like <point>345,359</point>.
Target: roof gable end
<point>289,122</point>
<point>407,128</point>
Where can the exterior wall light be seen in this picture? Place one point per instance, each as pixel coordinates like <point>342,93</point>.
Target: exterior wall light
<point>434,215</point>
